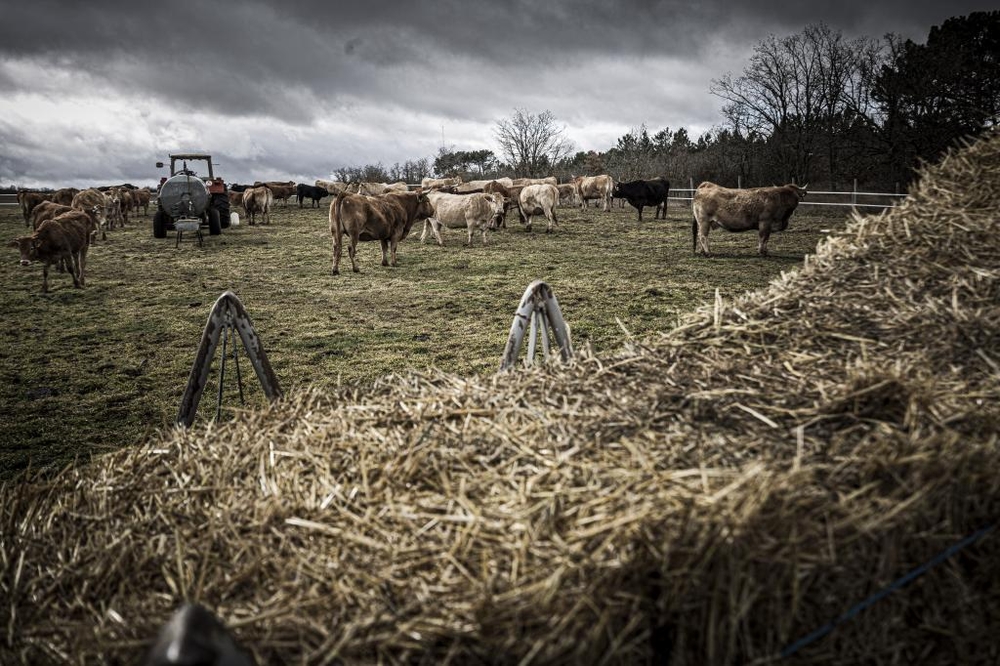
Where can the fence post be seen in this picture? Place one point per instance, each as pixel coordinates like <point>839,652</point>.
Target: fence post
<point>739,182</point>
<point>691,184</point>
<point>854,193</point>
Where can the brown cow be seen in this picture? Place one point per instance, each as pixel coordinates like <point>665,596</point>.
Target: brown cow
<point>46,211</point>
<point>567,194</point>
<point>64,196</point>
<point>142,197</point>
<point>63,237</point>
<point>28,200</point>
<point>279,191</point>
<point>539,200</point>
<point>463,211</point>
<point>766,209</point>
<point>594,187</point>
<point>235,198</point>
<point>258,200</point>
<point>387,219</point>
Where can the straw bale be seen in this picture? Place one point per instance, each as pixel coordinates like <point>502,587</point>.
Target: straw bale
<point>707,495</point>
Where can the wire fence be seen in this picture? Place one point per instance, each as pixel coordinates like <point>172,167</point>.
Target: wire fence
<point>823,199</point>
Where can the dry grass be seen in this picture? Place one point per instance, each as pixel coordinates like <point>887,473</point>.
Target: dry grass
<point>705,495</point>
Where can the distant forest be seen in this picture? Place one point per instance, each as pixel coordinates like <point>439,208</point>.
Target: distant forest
<point>812,108</point>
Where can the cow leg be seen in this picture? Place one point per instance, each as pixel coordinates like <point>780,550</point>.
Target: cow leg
<point>640,212</point>
<point>352,251</point>
<point>337,248</point>
<point>393,244</point>
<point>550,216</point>
<point>385,250</point>
<point>765,234</point>
<point>81,262</point>
<point>45,277</point>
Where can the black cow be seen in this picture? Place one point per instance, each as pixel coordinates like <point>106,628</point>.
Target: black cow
<point>310,192</point>
<point>641,193</point>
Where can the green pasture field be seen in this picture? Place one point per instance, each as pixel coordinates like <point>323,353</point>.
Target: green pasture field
<point>85,371</point>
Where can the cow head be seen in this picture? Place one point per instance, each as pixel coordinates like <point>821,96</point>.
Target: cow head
<point>498,207</point>
<point>801,192</point>
<point>425,208</point>
<point>27,247</point>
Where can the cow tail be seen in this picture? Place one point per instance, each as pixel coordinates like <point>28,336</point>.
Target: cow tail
<point>694,233</point>
<point>335,212</point>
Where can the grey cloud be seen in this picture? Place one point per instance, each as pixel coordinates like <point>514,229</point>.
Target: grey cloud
<point>275,66</point>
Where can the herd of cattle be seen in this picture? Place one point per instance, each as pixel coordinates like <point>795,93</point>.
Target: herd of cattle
<point>65,222</point>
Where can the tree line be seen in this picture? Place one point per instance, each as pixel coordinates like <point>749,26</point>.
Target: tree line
<point>812,107</point>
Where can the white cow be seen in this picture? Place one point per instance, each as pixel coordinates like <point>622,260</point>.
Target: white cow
<point>594,187</point>
<point>539,200</point>
<point>468,211</point>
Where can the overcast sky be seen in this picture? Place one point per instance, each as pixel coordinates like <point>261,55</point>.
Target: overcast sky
<point>96,92</point>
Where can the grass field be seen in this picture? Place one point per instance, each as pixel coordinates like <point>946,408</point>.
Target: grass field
<point>87,371</point>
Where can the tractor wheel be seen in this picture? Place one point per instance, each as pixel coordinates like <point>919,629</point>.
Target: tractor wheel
<point>214,225</point>
<point>159,224</point>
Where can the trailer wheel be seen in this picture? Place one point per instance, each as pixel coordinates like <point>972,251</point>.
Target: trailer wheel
<point>214,225</point>
<point>159,224</point>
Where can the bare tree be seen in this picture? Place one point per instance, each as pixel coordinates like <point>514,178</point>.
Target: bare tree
<point>532,144</point>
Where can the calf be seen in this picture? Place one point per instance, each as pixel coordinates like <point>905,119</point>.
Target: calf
<point>766,209</point>
<point>66,236</point>
<point>464,211</point>
<point>538,200</point>
<point>386,219</point>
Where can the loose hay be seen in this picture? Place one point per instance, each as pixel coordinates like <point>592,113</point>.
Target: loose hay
<point>706,496</point>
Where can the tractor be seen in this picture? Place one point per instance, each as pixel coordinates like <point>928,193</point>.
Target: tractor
<point>190,199</point>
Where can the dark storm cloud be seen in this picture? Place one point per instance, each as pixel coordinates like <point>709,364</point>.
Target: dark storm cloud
<point>363,79</point>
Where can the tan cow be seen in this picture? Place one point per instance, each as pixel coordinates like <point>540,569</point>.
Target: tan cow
<point>334,187</point>
<point>27,200</point>
<point>766,209</point>
<point>94,203</point>
<point>549,180</point>
<point>480,185</point>
<point>65,237</point>
<point>435,183</point>
<point>142,197</point>
<point>387,219</point>
<point>594,187</point>
<point>464,211</point>
<point>538,200</point>
<point>258,201</point>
